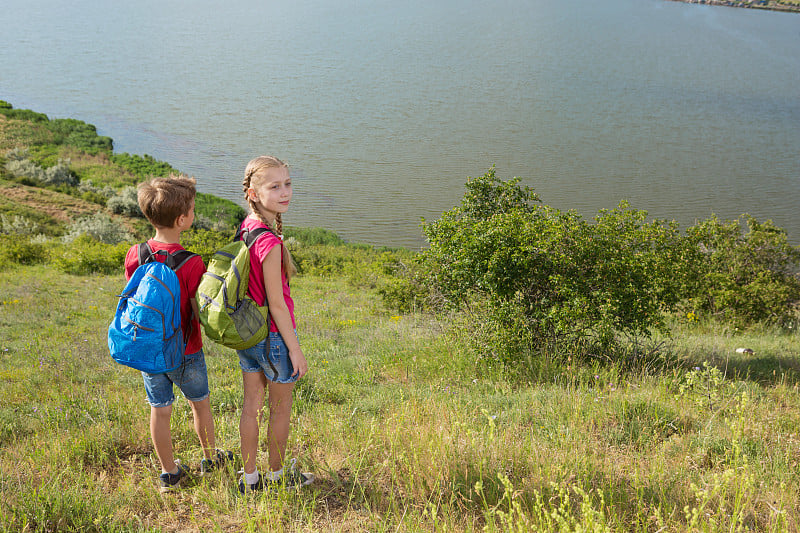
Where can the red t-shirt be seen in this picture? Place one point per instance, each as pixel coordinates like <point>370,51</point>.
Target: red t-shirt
<point>189,277</point>
<point>256,288</point>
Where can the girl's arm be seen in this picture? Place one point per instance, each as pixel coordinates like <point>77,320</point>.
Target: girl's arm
<point>280,312</point>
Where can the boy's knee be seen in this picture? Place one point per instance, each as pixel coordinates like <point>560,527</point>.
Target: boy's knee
<point>161,413</point>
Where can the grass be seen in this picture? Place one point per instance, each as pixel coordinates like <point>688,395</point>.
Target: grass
<point>399,429</point>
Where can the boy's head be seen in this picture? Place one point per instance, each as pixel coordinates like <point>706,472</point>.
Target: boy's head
<point>163,200</point>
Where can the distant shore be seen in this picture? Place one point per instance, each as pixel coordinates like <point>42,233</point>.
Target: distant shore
<point>770,5</point>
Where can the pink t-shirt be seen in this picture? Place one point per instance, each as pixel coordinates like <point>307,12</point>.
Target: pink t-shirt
<point>256,287</point>
<point>189,277</point>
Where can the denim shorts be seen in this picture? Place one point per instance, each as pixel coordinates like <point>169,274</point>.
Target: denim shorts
<point>191,378</point>
<point>276,364</point>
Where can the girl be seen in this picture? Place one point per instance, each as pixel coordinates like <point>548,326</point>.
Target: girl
<point>268,190</point>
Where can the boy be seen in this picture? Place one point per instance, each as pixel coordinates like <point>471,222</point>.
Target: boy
<point>168,203</point>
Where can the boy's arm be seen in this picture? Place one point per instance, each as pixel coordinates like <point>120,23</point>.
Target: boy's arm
<point>195,308</point>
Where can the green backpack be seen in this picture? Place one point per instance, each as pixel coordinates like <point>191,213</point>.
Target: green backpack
<point>228,315</point>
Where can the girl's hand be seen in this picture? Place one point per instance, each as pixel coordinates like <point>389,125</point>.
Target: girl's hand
<point>299,363</point>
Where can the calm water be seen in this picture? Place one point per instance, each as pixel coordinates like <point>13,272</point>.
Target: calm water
<point>384,108</point>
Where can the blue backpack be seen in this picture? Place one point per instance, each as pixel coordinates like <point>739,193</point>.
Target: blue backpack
<point>146,331</point>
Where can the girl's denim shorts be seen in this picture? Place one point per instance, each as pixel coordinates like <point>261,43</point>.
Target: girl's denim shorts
<point>273,361</point>
<point>191,378</point>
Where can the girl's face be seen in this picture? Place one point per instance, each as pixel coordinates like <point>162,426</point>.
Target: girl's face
<point>273,190</point>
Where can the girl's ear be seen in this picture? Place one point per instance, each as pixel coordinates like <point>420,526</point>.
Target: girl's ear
<point>251,194</point>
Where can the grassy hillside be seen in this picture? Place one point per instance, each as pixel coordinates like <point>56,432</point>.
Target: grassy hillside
<point>404,427</point>
<point>402,430</point>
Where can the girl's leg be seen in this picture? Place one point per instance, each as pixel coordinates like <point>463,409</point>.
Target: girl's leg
<point>254,384</point>
<point>280,410</point>
<point>162,437</point>
<point>204,426</point>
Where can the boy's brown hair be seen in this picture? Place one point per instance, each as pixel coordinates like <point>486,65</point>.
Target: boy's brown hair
<point>163,200</point>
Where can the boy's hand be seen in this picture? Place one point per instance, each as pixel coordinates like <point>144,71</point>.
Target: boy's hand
<point>299,363</point>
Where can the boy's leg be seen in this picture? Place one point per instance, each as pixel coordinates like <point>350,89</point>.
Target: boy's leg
<point>160,397</point>
<point>254,384</point>
<point>162,437</point>
<point>204,426</point>
<point>192,379</point>
<point>280,410</point>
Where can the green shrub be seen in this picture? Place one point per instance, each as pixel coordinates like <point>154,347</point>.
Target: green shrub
<point>99,227</point>
<point>542,276</point>
<point>57,175</point>
<point>21,251</point>
<point>17,225</point>
<point>98,195</point>
<point>313,236</point>
<point>80,135</point>
<point>217,213</point>
<point>22,114</point>
<point>86,255</point>
<point>143,166</point>
<point>745,277</point>
<point>205,242</point>
<point>126,203</point>
<point>94,197</point>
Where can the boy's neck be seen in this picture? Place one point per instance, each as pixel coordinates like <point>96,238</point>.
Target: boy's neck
<point>168,235</point>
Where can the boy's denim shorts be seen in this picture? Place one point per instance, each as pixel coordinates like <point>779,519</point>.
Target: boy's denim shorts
<point>275,365</point>
<point>191,378</point>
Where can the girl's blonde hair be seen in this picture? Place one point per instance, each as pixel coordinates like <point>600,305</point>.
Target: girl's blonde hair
<point>253,175</point>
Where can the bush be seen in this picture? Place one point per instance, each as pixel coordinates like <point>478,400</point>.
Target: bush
<point>99,227</point>
<point>21,114</point>
<point>80,135</point>
<point>205,242</point>
<point>85,255</point>
<point>54,176</point>
<point>542,276</point>
<point>217,213</point>
<point>143,166</point>
<point>13,249</point>
<point>313,236</point>
<point>745,277</point>
<point>126,203</point>
<point>17,225</point>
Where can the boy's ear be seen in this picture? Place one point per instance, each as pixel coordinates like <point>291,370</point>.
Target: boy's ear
<point>179,220</point>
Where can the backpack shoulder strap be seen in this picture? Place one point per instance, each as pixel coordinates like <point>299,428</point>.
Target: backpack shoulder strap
<point>178,259</point>
<point>251,236</point>
<point>173,260</point>
<point>145,253</point>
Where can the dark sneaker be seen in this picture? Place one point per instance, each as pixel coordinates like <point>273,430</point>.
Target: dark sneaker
<point>168,482</point>
<point>295,479</point>
<point>209,465</point>
<point>245,488</point>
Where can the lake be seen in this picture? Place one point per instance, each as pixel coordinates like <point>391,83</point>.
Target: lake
<point>384,108</point>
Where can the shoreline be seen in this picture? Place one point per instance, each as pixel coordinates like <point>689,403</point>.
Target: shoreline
<point>768,5</point>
